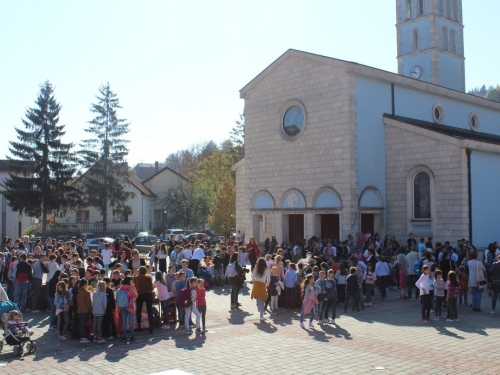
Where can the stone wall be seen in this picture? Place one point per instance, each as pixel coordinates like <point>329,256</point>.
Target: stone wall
<point>406,150</point>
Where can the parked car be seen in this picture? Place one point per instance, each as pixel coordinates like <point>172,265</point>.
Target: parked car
<point>166,235</point>
<point>93,243</point>
<point>144,241</point>
<point>214,240</point>
<point>63,238</point>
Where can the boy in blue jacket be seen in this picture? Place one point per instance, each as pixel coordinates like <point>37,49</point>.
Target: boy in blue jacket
<point>330,296</point>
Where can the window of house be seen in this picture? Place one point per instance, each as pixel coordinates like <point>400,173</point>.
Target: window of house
<point>422,196</point>
<point>409,13</point>
<point>445,39</point>
<point>421,7</point>
<point>82,216</point>
<point>453,41</point>
<point>120,215</point>
<point>415,44</point>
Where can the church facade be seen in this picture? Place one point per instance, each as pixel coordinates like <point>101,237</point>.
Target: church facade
<point>335,148</point>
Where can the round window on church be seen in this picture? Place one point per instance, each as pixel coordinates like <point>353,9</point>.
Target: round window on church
<point>474,121</point>
<point>293,120</point>
<point>438,113</point>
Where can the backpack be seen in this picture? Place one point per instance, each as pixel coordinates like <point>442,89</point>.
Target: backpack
<point>184,298</point>
<point>123,299</point>
<point>231,270</point>
<point>417,267</point>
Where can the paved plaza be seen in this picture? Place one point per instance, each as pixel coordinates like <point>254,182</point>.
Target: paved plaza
<point>386,338</point>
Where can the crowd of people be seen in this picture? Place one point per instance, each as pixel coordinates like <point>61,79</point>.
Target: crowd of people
<point>94,295</point>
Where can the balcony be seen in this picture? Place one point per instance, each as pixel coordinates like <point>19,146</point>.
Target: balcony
<point>113,227</point>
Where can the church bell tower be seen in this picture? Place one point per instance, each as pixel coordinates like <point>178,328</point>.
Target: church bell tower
<point>430,41</point>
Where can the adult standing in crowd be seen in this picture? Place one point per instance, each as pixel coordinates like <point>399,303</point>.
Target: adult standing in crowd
<point>39,268</point>
<point>198,256</point>
<point>411,258</point>
<point>261,278</point>
<point>253,252</point>
<point>144,286</point>
<point>477,280</point>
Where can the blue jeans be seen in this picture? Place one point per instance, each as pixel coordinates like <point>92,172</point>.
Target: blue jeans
<point>313,313</point>
<point>260,305</point>
<point>127,316</point>
<point>496,293</point>
<point>22,289</point>
<point>476,297</point>
<point>52,306</point>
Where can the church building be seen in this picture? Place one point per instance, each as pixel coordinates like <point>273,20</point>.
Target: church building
<point>335,148</point>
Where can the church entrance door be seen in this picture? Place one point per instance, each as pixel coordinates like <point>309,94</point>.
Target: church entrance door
<point>367,223</point>
<point>330,226</point>
<point>295,228</point>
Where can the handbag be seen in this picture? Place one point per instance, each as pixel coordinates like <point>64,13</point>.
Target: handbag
<point>481,284</point>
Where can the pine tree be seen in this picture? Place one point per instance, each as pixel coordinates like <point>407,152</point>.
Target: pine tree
<point>103,157</point>
<point>41,166</point>
<point>238,137</point>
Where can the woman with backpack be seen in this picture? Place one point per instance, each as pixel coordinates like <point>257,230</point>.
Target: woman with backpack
<point>233,272</point>
<point>125,301</point>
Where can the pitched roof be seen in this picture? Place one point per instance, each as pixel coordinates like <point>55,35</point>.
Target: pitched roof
<point>451,131</point>
<point>146,170</point>
<point>134,180</point>
<point>368,71</point>
<point>161,171</point>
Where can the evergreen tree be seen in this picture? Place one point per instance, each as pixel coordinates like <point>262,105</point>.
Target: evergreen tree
<point>238,137</point>
<point>103,156</point>
<point>41,166</point>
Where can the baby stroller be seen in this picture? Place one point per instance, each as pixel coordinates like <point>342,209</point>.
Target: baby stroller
<point>20,340</point>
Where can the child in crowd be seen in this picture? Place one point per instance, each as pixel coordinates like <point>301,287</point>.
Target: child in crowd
<point>99,305</point>
<point>289,282</point>
<point>423,284</point>
<point>322,299</point>
<point>370,279</point>
<point>439,288</point>
<point>218,268</point>
<point>116,280</point>
<point>311,290</point>
<point>97,263</point>
<point>16,325</point>
<point>463,280</point>
<point>178,286</point>
<point>331,297</point>
<point>193,283</point>
<point>109,327</point>
<point>243,257</point>
<point>340,278</point>
<point>163,296</point>
<point>453,287</point>
<point>315,272</point>
<point>127,306</point>
<point>84,308</point>
<point>201,302</point>
<point>351,289</point>
<point>402,282</point>
<point>106,254</point>
<point>62,301</point>
<point>273,292</point>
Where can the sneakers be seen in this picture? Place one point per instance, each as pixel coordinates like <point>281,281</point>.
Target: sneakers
<point>369,304</point>
<point>62,337</point>
<point>492,312</point>
<point>262,318</point>
<point>35,311</point>
<point>427,320</point>
<point>101,340</point>
<point>432,311</point>
<point>449,320</point>
<point>437,318</point>
<point>84,340</point>
<point>332,321</point>
<point>325,321</point>
<point>123,339</point>
<point>311,324</point>
<point>189,332</point>
<point>366,304</point>
<point>165,326</point>
<point>198,331</point>
<point>302,325</point>
<point>456,320</point>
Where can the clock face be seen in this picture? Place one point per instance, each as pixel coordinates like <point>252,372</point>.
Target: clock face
<point>416,72</point>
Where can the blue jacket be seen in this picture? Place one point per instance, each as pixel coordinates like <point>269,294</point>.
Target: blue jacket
<point>331,288</point>
<point>60,300</point>
<point>290,279</point>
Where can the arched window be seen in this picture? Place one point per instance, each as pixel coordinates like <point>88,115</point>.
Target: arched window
<point>409,12</point>
<point>422,196</point>
<point>415,40</point>
<point>453,41</point>
<point>445,39</point>
<point>420,7</point>
<point>441,7</point>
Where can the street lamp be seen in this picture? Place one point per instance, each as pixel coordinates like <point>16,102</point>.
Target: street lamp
<point>165,213</point>
<point>20,217</point>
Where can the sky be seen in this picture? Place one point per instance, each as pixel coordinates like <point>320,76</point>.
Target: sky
<point>177,66</point>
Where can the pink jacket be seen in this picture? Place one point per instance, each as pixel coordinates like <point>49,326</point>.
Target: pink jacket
<point>310,301</point>
<point>163,294</point>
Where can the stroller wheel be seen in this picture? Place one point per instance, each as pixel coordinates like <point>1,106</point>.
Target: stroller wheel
<point>18,350</point>
<point>31,347</point>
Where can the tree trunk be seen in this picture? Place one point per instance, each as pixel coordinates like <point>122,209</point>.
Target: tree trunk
<point>105,220</point>
<point>44,222</point>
